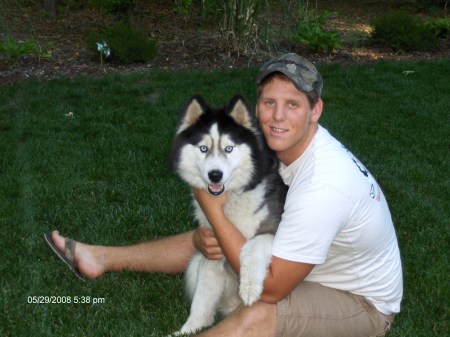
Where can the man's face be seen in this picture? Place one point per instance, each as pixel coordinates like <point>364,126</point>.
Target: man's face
<point>286,119</point>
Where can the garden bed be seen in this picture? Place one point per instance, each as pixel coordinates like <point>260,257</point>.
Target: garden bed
<point>183,44</point>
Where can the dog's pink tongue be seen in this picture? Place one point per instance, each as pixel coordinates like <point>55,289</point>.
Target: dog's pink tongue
<point>216,188</point>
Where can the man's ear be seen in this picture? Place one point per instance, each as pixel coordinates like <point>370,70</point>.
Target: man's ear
<point>317,111</point>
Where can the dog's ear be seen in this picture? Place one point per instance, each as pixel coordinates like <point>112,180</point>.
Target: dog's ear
<point>240,112</point>
<point>191,113</point>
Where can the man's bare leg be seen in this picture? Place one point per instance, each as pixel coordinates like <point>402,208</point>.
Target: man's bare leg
<point>167,255</point>
<point>258,320</point>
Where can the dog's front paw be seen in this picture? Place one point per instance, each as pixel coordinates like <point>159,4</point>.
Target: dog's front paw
<point>255,259</point>
<point>181,333</point>
<point>250,291</point>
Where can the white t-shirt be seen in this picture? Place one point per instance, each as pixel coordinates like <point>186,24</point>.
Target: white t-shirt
<point>337,218</point>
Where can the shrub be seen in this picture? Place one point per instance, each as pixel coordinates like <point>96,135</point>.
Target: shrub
<point>440,27</point>
<point>403,31</point>
<point>310,33</point>
<point>127,44</point>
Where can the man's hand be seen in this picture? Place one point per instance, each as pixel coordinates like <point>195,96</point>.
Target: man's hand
<point>229,239</point>
<point>206,243</point>
<point>211,205</point>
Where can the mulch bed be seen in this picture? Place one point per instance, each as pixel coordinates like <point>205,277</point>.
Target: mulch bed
<point>181,46</point>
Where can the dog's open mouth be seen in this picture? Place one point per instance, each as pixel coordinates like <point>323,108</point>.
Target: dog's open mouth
<point>216,189</point>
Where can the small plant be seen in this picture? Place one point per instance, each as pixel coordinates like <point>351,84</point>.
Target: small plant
<point>13,50</point>
<point>103,49</point>
<point>125,45</point>
<point>403,31</point>
<point>310,33</point>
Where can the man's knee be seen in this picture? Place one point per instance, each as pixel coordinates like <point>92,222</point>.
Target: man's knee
<point>258,320</point>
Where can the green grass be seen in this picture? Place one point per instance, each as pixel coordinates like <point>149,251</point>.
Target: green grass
<point>100,175</point>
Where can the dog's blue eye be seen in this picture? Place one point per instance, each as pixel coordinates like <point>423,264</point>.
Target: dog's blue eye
<point>203,148</point>
<point>228,149</point>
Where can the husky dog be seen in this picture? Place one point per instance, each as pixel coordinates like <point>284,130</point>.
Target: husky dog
<point>221,150</point>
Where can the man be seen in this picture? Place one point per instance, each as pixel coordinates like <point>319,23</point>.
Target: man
<point>336,268</point>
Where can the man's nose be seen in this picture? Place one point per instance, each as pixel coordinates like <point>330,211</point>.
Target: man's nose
<point>279,113</point>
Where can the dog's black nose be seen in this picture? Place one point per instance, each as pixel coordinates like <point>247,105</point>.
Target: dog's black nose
<point>215,176</point>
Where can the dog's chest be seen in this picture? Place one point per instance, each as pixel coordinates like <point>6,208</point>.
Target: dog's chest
<point>246,212</point>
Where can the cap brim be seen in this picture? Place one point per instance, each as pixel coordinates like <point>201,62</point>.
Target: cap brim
<point>266,73</point>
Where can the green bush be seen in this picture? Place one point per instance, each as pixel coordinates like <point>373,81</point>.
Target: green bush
<point>440,27</point>
<point>127,44</point>
<point>403,31</point>
<point>309,32</point>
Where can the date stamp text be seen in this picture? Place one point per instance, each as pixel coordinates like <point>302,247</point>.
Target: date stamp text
<point>65,299</point>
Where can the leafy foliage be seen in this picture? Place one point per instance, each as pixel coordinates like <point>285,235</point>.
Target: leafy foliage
<point>440,27</point>
<point>310,33</point>
<point>127,44</point>
<point>403,31</point>
<point>12,50</point>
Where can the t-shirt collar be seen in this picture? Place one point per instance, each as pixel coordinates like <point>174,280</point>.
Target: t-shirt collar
<point>287,173</point>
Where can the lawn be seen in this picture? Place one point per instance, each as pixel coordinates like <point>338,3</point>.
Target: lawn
<point>88,156</point>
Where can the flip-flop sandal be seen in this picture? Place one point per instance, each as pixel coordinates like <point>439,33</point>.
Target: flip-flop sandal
<point>67,255</point>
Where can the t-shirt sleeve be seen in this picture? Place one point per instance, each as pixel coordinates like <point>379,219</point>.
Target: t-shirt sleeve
<point>312,218</point>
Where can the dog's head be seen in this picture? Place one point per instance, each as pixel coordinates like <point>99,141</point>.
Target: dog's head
<point>217,149</point>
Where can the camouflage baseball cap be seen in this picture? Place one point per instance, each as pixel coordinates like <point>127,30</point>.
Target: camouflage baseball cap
<point>299,70</point>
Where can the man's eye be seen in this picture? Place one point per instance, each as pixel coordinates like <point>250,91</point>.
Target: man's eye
<point>203,148</point>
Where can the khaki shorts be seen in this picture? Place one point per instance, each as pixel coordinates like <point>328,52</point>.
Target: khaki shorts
<point>313,310</point>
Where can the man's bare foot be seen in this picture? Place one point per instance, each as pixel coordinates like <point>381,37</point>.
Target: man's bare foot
<point>87,258</point>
